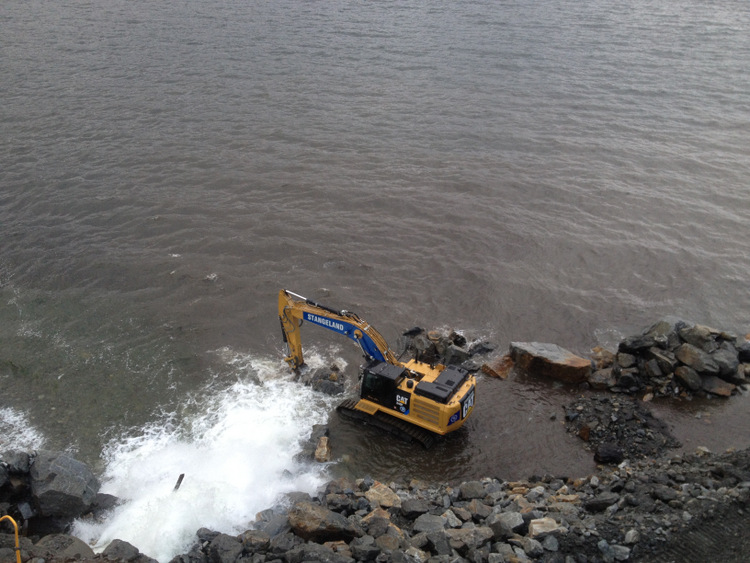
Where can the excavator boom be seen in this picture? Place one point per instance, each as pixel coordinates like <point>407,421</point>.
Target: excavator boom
<point>294,309</point>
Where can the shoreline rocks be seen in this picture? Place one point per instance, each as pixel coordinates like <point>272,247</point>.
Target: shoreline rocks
<point>672,358</point>
<point>642,510</point>
<point>629,512</point>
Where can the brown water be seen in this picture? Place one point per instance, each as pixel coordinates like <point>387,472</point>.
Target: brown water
<point>564,171</point>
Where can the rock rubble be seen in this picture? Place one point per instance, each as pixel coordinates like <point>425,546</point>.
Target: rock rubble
<point>672,358</point>
<point>693,505</point>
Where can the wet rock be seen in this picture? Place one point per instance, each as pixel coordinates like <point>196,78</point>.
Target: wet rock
<point>700,336</point>
<point>255,540</point>
<point>609,453</point>
<point>727,358</point>
<point>550,360</point>
<point>383,496</point>
<point>601,502</point>
<point>618,428</point>
<point>689,378</point>
<point>63,547</point>
<point>717,386</point>
<point>429,523</point>
<point>119,550</point>
<point>472,490</point>
<point>602,358</point>
<point>313,522</point>
<point>16,461</point>
<point>465,539</point>
<point>697,359</point>
<point>602,379</point>
<point>505,524</point>
<point>224,549</point>
<point>61,485</point>
<point>743,351</point>
<point>499,367</point>
<point>412,508</point>
<point>323,450</point>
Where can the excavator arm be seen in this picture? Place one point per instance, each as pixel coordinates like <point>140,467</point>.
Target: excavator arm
<point>295,309</point>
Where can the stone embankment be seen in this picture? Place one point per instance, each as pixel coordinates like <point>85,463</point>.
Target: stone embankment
<point>691,507</point>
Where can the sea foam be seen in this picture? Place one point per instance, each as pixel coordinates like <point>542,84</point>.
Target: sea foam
<point>237,453</point>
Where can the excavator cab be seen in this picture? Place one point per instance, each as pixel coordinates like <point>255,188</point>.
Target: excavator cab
<point>380,384</point>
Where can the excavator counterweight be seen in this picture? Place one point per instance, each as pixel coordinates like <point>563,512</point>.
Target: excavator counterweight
<point>416,400</point>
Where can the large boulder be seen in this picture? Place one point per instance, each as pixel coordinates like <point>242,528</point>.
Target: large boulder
<point>62,547</point>
<point>316,523</point>
<point>62,486</point>
<point>550,360</point>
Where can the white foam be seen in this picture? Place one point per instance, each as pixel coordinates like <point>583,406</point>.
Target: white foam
<point>17,433</point>
<point>237,455</point>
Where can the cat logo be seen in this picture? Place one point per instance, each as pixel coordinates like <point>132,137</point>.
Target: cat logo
<point>402,403</point>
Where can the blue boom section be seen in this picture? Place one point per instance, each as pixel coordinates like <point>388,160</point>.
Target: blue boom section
<point>367,344</point>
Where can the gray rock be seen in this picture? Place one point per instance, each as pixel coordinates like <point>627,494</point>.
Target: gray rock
<point>429,523</point>
<point>505,524</point>
<point>472,489</point>
<point>61,546</point>
<point>316,523</point>
<point>314,552</point>
<point>438,543</point>
<point>728,361</point>
<point>601,502</point>
<point>625,360</point>
<point>411,508</point>
<point>61,485</point>
<point>121,551</point>
<point>743,351</point>
<point>664,493</point>
<point>699,336</point>
<point>255,540</point>
<point>464,539</point>
<point>530,546</point>
<point>664,359</point>
<point>688,377</point>
<point>697,359</point>
<point>224,549</point>
<point>637,344</point>
<point>550,543</point>
<point>364,548</point>
<point>17,461</point>
<point>602,379</point>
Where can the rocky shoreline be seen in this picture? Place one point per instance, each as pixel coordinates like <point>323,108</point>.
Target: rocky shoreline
<point>688,508</point>
<point>640,505</point>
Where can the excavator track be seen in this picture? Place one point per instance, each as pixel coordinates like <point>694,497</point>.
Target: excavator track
<point>395,426</point>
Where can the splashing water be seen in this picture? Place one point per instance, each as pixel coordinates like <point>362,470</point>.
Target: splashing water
<point>237,454</point>
<point>17,433</point>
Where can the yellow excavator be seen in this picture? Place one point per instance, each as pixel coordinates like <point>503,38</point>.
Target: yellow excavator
<point>414,400</point>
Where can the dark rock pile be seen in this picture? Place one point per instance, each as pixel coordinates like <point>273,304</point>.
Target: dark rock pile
<point>676,358</point>
<point>618,428</point>
<point>44,492</point>
<point>630,512</point>
<point>688,508</point>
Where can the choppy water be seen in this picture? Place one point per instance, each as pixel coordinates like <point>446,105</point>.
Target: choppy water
<point>563,171</point>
